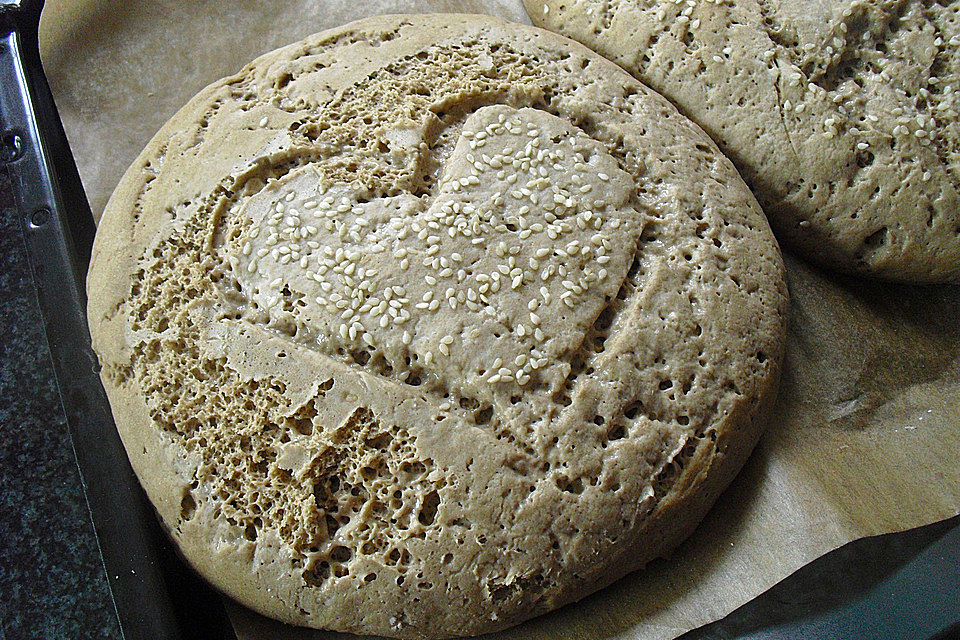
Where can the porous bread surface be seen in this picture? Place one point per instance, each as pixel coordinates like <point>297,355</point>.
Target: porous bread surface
<point>426,325</point>
<point>842,115</point>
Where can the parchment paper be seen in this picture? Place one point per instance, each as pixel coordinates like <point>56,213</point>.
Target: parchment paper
<point>866,437</point>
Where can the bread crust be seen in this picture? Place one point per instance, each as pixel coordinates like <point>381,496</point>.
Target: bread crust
<point>837,114</point>
<point>349,481</point>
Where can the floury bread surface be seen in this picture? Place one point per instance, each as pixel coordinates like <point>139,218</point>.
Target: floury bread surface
<point>426,325</point>
<point>841,115</point>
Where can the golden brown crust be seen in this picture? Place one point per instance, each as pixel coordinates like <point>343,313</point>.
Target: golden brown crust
<point>347,466</point>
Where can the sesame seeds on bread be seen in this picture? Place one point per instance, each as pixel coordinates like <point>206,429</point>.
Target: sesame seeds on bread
<point>426,325</point>
<point>841,115</point>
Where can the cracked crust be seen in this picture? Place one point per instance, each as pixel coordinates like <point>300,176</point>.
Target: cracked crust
<point>423,326</point>
<point>841,115</point>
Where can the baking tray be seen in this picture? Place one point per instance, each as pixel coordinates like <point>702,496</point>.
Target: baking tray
<point>151,592</point>
<point>895,586</point>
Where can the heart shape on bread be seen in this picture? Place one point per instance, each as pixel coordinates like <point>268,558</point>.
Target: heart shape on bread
<point>458,285</point>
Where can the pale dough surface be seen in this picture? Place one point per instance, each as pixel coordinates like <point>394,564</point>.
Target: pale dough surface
<point>842,115</point>
<point>423,326</point>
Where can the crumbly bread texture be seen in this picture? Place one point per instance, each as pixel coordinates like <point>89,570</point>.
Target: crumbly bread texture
<point>842,115</point>
<point>426,325</point>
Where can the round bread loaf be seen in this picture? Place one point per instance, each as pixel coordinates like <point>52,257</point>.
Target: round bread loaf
<point>426,325</point>
<point>841,115</point>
